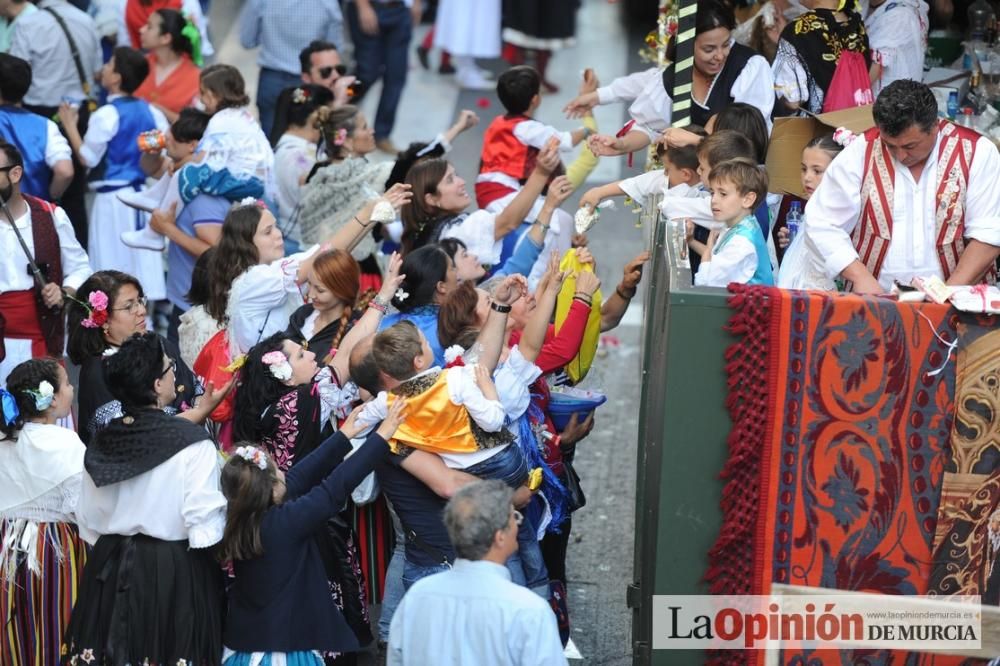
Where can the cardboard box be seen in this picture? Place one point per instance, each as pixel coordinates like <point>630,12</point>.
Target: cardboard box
<point>790,135</point>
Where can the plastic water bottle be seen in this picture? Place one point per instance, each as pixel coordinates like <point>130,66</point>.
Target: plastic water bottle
<point>952,104</point>
<point>794,219</point>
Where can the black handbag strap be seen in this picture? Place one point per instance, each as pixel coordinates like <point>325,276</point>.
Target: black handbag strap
<point>84,81</point>
<point>428,549</point>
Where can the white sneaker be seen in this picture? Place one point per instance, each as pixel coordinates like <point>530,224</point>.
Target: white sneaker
<point>148,199</point>
<point>472,79</point>
<point>143,239</point>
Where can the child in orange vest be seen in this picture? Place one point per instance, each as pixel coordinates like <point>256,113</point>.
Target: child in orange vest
<point>513,140</point>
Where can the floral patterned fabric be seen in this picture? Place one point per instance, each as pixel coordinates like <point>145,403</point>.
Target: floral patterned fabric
<point>808,51</point>
<point>842,407</point>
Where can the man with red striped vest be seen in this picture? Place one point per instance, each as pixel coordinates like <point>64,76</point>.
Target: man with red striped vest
<point>915,196</point>
<point>34,318</point>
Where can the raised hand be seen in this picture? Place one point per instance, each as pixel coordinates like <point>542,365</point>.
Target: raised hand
<point>392,277</point>
<point>604,145</point>
<point>559,190</point>
<point>393,418</point>
<point>512,288</point>
<point>548,157</point>
<point>632,273</point>
<point>398,195</point>
<point>587,283</point>
<point>466,120</point>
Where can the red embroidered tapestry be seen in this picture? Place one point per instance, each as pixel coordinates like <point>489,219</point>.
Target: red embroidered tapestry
<point>842,409</point>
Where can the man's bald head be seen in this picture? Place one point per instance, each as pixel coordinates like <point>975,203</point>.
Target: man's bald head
<point>364,370</point>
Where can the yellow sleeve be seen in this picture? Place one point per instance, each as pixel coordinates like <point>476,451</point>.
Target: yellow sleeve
<point>586,161</point>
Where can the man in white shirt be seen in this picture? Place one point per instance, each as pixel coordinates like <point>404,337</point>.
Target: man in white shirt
<point>57,75</point>
<point>473,613</point>
<point>915,196</point>
<point>34,317</point>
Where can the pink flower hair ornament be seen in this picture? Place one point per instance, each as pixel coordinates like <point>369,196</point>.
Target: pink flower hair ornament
<point>340,138</point>
<point>278,365</point>
<point>96,307</point>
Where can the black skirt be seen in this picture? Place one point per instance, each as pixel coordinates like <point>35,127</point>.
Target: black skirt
<point>547,25</point>
<point>143,600</point>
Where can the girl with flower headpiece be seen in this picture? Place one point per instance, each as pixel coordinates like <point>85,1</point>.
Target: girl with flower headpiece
<point>279,608</point>
<point>41,553</point>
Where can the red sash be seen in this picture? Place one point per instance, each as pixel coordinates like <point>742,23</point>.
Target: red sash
<point>872,235</point>
<point>21,314</point>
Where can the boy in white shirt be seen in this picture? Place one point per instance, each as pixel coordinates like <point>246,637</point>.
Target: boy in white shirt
<point>738,254</point>
<point>678,175</point>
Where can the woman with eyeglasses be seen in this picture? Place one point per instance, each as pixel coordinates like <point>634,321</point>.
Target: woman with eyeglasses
<point>108,309</point>
<point>151,505</point>
<point>723,72</point>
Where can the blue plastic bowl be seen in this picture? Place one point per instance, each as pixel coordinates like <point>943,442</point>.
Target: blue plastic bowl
<point>562,406</point>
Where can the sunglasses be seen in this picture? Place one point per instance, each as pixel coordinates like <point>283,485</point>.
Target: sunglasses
<point>325,72</point>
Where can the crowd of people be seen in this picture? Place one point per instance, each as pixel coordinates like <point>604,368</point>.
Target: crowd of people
<point>350,402</point>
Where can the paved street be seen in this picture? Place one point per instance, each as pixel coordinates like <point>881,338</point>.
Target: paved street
<point>600,555</point>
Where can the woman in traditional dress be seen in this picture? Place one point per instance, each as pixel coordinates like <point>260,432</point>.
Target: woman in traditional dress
<point>466,30</point>
<point>809,50</point>
<point>542,27</point>
<point>339,187</point>
<point>174,61</point>
<point>254,288</point>
<point>42,555</point>
<point>335,303</point>
<point>440,199</point>
<point>152,591</point>
<point>109,308</point>
<point>724,72</point>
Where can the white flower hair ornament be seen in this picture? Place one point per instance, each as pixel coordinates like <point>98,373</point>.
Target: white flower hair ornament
<point>844,137</point>
<point>401,295</point>
<point>278,365</point>
<point>43,395</point>
<point>452,353</point>
<point>253,455</point>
